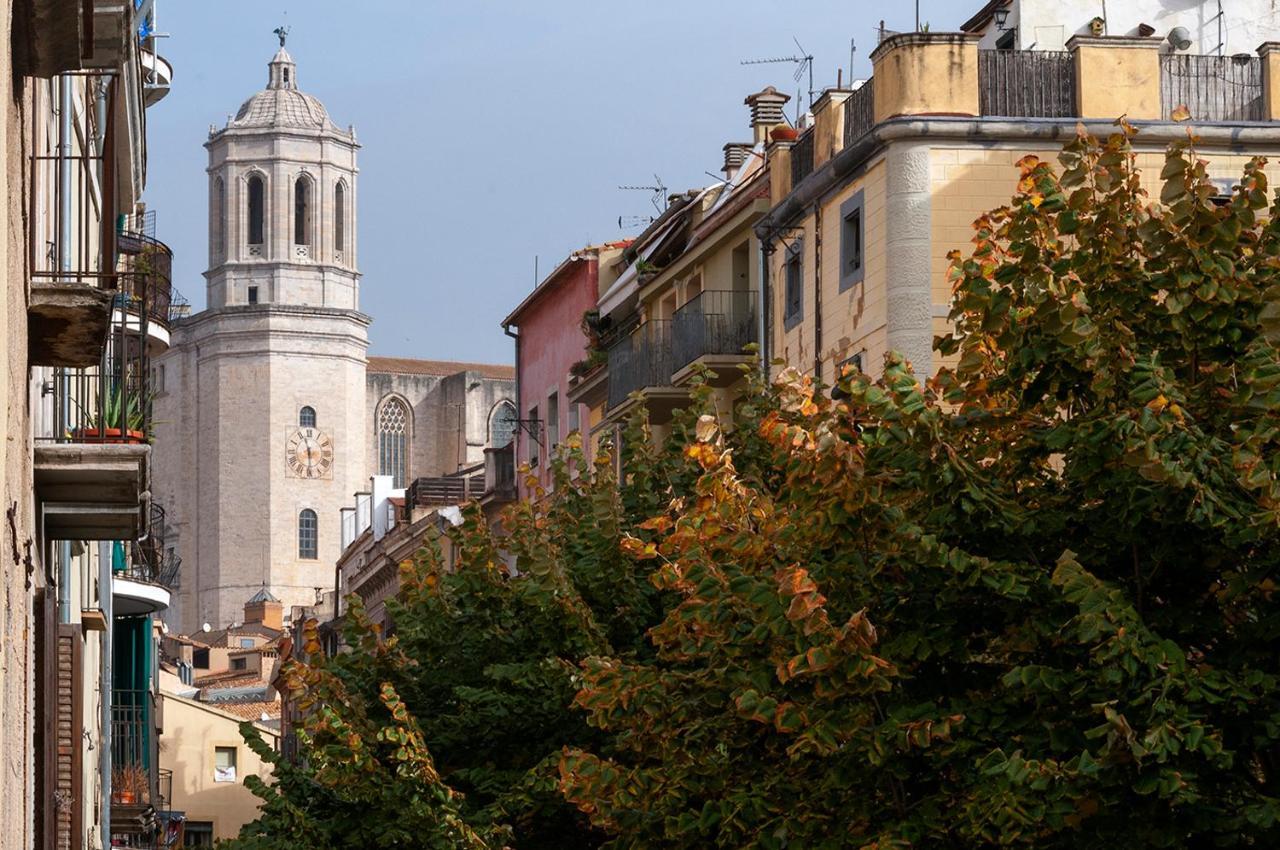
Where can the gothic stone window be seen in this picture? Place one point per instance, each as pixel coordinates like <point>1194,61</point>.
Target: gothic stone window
<point>257,210</point>
<point>307,417</point>
<point>308,535</point>
<point>502,425</point>
<point>393,432</point>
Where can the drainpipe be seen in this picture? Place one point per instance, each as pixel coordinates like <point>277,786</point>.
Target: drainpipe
<point>766,308</point>
<point>817,290</point>
<point>107,603</point>
<point>64,266</point>
<point>515,454</point>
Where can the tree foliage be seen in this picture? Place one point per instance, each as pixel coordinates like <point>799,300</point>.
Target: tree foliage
<point>1029,602</point>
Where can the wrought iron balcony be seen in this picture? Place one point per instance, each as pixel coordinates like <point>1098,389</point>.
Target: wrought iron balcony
<point>802,158</point>
<point>715,322</point>
<point>859,113</point>
<point>643,358</point>
<point>135,764</point>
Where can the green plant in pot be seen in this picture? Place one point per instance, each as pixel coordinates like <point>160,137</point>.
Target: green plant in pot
<point>118,418</point>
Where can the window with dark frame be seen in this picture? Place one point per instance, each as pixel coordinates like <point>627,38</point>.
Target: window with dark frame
<point>793,275</point>
<point>307,417</point>
<point>339,216</point>
<point>308,535</point>
<point>533,436</point>
<point>197,833</point>
<point>553,420</point>
<point>239,664</point>
<point>302,211</point>
<point>257,210</point>
<point>852,241</point>
<point>253,295</point>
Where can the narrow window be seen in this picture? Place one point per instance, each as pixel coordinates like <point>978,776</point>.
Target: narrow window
<point>793,301</point>
<point>852,242</point>
<point>339,217</point>
<point>224,764</point>
<point>197,833</point>
<point>307,535</point>
<point>253,295</point>
<point>301,212</point>
<point>219,218</point>
<point>573,418</point>
<point>257,210</point>
<point>553,420</point>
<point>307,417</point>
<point>502,425</point>
<point>533,436</point>
<point>393,434</point>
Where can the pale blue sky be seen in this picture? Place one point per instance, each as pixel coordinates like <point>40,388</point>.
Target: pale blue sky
<point>492,131</point>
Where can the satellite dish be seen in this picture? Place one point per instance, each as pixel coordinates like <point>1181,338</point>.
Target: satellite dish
<point>1179,38</point>
<point>206,628</point>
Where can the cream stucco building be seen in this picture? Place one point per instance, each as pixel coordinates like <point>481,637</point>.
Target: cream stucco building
<point>270,413</point>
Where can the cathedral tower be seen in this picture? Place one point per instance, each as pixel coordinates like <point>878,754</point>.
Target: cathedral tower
<point>262,395</point>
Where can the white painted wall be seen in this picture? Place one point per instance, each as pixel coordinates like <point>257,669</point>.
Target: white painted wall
<point>1049,24</point>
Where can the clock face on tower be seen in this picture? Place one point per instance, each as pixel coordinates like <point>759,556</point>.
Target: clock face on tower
<point>309,453</point>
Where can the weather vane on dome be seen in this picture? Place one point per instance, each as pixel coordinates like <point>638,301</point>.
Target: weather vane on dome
<point>282,33</point>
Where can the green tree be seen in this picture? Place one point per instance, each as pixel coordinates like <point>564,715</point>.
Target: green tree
<point>1029,604</point>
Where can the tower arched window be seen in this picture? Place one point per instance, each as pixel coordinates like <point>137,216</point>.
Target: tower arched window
<point>502,425</point>
<point>307,417</point>
<point>302,211</point>
<point>339,217</point>
<point>257,209</point>
<point>308,535</point>
<point>393,438</point>
<point>217,237</point>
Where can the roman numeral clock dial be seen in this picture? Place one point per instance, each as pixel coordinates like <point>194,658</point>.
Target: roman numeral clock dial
<point>309,453</point>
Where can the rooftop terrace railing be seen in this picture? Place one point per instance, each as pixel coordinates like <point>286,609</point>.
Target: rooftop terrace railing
<point>859,113</point>
<point>1212,88</point>
<point>802,157</point>
<point>1026,83</point>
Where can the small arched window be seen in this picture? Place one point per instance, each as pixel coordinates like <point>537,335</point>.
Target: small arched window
<point>502,425</point>
<point>308,535</point>
<point>339,217</point>
<point>257,210</point>
<point>307,417</point>
<point>393,435</point>
<point>219,222</point>
<point>302,211</point>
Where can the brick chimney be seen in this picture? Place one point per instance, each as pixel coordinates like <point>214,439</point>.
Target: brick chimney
<point>766,111</point>
<point>265,609</point>
<point>735,153</point>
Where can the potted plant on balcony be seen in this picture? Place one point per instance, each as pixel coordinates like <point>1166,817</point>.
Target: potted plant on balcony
<point>128,784</point>
<point>123,416</point>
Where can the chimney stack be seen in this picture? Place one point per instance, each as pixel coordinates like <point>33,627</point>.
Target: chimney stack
<point>766,111</point>
<point>735,153</point>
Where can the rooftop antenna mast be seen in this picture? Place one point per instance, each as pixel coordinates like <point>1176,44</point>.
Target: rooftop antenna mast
<point>804,64</point>
<point>659,190</point>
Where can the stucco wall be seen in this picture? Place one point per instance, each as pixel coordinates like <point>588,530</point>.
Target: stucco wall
<point>550,343</point>
<point>191,732</point>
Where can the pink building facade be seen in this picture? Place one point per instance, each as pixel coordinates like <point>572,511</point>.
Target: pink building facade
<point>547,326</point>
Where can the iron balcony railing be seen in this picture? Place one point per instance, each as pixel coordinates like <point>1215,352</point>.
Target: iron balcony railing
<point>109,402</point>
<point>859,113</point>
<point>504,469</point>
<point>802,158</point>
<point>715,322</point>
<point>135,747</point>
<point>644,358</point>
<point>1212,88</point>
<point>1026,83</point>
<point>150,560</point>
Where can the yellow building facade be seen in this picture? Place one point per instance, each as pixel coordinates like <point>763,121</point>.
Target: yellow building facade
<point>888,178</point>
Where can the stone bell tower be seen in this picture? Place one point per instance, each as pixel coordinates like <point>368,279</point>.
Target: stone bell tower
<point>262,408</point>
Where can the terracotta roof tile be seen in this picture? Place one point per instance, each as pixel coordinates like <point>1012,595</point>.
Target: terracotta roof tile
<point>250,710</point>
<point>443,368</point>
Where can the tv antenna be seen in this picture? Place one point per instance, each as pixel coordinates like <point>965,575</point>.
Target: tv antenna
<point>658,190</point>
<point>804,64</point>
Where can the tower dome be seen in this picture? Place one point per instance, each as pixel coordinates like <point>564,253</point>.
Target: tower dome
<point>281,104</point>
